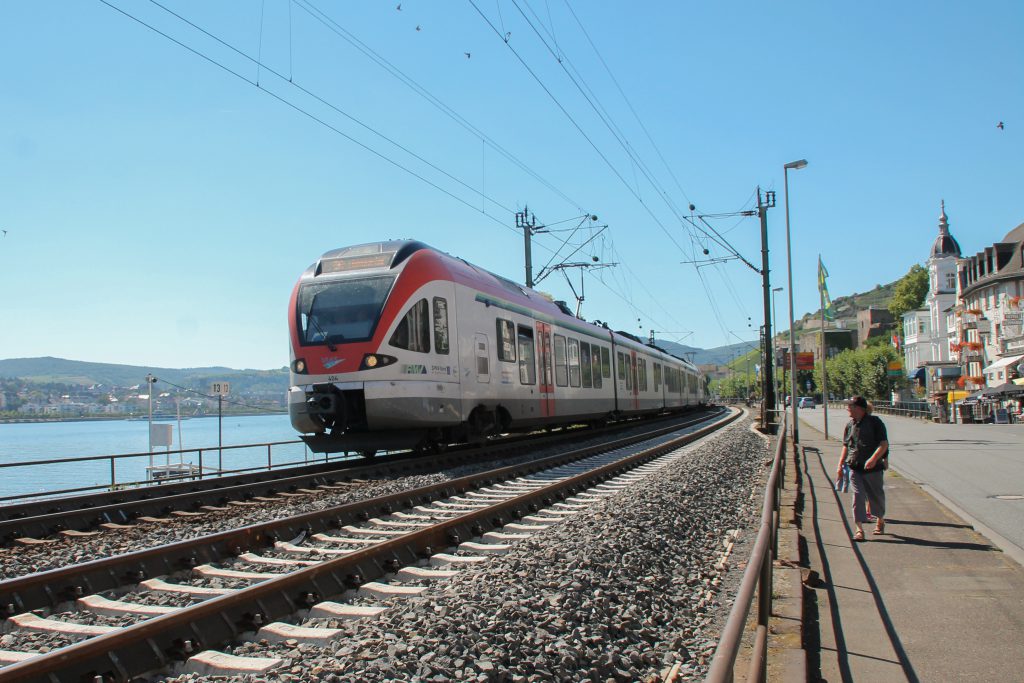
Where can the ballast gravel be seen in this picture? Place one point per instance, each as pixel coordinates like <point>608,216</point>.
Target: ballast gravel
<point>620,592</point>
<point>22,560</point>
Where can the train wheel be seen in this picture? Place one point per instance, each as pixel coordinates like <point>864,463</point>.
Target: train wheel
<point>368,453</point>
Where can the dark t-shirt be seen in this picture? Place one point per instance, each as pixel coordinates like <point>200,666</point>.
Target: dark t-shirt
<point>862,439</point>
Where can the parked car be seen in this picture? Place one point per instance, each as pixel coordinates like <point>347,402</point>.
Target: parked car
<point>806,402</point>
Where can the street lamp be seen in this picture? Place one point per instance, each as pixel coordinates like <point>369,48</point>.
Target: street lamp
<point>775,327</point>
<point>789,266</point>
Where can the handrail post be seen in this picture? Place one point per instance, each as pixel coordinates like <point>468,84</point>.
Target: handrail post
<point>200,464</point>
<point>764,609</point>
<point>113,473</point>
<point>270,464</point>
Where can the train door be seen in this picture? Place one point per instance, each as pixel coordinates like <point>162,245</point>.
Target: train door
<point>483,359</point>
<point>546,381</point>
<point>636,385</point>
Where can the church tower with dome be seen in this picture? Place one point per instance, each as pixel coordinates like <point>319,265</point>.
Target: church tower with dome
<point>942,284</point>
<point>925,330</point>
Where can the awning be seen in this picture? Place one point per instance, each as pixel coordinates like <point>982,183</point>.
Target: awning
<point>917,374</point>
<point>1019,381</point>
<point>955,396</point>
<point>1001,363</point>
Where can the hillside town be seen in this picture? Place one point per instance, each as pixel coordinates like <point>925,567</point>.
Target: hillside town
<point>32,401</point>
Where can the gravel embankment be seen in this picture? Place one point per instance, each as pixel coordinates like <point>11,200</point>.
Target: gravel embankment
<point>617,593</point>
<point>21,560</point>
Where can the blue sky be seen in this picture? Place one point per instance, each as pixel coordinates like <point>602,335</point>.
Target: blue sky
<point>159,208</point>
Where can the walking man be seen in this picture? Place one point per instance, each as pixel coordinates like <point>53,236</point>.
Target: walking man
<point>865,445</point>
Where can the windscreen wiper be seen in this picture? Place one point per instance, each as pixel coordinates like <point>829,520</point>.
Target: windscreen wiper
<point>327,338</point>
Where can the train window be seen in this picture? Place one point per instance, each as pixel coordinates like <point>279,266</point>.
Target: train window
<point>606,363</point>
<point>641,367</point>
<point>561,370</point>
<point>341,311</point>
<point>527,366</point>
<point>413,333</point>
<point>657,376</point>
<point>506,341</point>
<point>595,361</point>
<point>586,372</point>
<point>628,365</point>
<point>574,362</point>
<point>621,365</point>
<point>440,325</point>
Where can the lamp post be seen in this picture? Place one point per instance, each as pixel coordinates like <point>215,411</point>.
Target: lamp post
<point>789,267</point>
<point>775,326</point>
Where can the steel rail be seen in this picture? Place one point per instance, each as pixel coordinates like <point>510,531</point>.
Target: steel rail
<point>43,518</point>
<point>160,641</point>
<point>756,577</point>
<point>48,589</point>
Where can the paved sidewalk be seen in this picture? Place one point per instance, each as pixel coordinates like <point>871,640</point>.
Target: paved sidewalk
<point>930,600</point>
<point>977,470</point>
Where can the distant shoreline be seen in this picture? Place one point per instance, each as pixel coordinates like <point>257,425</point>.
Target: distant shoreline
<point>122,418</point>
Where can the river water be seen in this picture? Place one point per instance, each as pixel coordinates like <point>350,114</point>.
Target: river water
<point>33,442</point>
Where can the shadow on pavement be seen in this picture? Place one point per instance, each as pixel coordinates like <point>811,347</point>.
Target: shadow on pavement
<point>910,540</point>
<point>950,525</point>
<point>883,612</point>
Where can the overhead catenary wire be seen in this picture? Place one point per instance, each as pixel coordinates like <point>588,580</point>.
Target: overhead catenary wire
<point>579,128</point>
<point>318,119</point>
<point>313,116</point>
<point>629,104</point>
<point>595,103</point>
<point>316,13</point>
<point>602,113</point>
<point>629,150</point>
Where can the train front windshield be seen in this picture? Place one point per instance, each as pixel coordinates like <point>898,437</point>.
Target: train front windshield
<point>342,310</point>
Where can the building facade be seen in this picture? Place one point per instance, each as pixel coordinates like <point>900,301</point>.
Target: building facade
<point>872,322</point>
<point>990,338</point>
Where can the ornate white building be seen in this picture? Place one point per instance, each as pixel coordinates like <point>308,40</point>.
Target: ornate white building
<point>925,330</point>
<point>989,312</point>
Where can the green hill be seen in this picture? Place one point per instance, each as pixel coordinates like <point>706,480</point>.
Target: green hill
<point>49,370</point>
<point>847,307</point>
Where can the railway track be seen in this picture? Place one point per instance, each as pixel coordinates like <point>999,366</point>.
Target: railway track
<point>296,564</point>
<point>31,522</point>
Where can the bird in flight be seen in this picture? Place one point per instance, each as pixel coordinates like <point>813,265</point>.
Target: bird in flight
<point>418,28</point>
<point>399,8</point>
<point>999,125</point>
<point>467,55</point>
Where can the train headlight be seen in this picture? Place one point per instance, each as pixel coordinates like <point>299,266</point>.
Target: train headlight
<point>376,360</point>
<point>299,366</point>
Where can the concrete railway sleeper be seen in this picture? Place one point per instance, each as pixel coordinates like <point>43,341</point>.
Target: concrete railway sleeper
<point>245,592</point>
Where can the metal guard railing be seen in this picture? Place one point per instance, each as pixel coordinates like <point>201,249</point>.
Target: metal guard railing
<point>757,577</point>
<point>203,471</point>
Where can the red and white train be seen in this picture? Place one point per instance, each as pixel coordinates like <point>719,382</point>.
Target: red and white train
<point>396,344</point>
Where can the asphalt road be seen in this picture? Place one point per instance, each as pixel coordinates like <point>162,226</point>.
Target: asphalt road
<point>967,465</point>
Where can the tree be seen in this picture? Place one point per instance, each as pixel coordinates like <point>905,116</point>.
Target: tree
<point>863,372</point>
<point>909,292</point>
